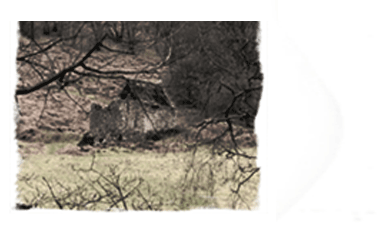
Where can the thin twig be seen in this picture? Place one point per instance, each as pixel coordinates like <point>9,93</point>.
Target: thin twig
<point>245,180</point>
<point>76,103</point>
<point>44,106</point>
<point>42,50</point>
<point>52,194</point>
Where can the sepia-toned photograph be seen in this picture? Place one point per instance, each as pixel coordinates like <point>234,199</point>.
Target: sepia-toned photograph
<point>138,115</point>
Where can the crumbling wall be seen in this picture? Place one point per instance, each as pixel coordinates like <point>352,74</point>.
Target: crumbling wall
<point>129,120</point>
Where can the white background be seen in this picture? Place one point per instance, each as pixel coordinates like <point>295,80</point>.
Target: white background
<point>319,108</point>
<point>337,42</point>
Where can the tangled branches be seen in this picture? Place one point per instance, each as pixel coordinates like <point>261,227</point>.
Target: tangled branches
<point>97,191</point>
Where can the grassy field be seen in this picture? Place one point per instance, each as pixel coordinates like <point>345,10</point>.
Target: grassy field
<point>154,181</point>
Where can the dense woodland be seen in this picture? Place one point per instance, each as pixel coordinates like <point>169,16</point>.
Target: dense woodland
<point>209,70</point>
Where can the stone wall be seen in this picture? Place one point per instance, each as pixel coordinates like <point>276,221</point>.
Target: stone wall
<point>129,120</point>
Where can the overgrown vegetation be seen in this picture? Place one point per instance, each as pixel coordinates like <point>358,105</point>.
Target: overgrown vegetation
<point>120,178</point>
<point>211,72</point>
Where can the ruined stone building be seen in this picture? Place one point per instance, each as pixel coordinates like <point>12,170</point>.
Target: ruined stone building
<point>140,109</point>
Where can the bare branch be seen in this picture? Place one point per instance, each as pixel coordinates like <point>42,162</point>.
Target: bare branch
<point>44,106</point>
<point>59,75</point>
<point>144,199</point>
<point>76,103</point>
<point>52,194</point>
<point>117,71</point>
<point>245,180</point>
<point>36,64</point>
<point>50,46</point>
